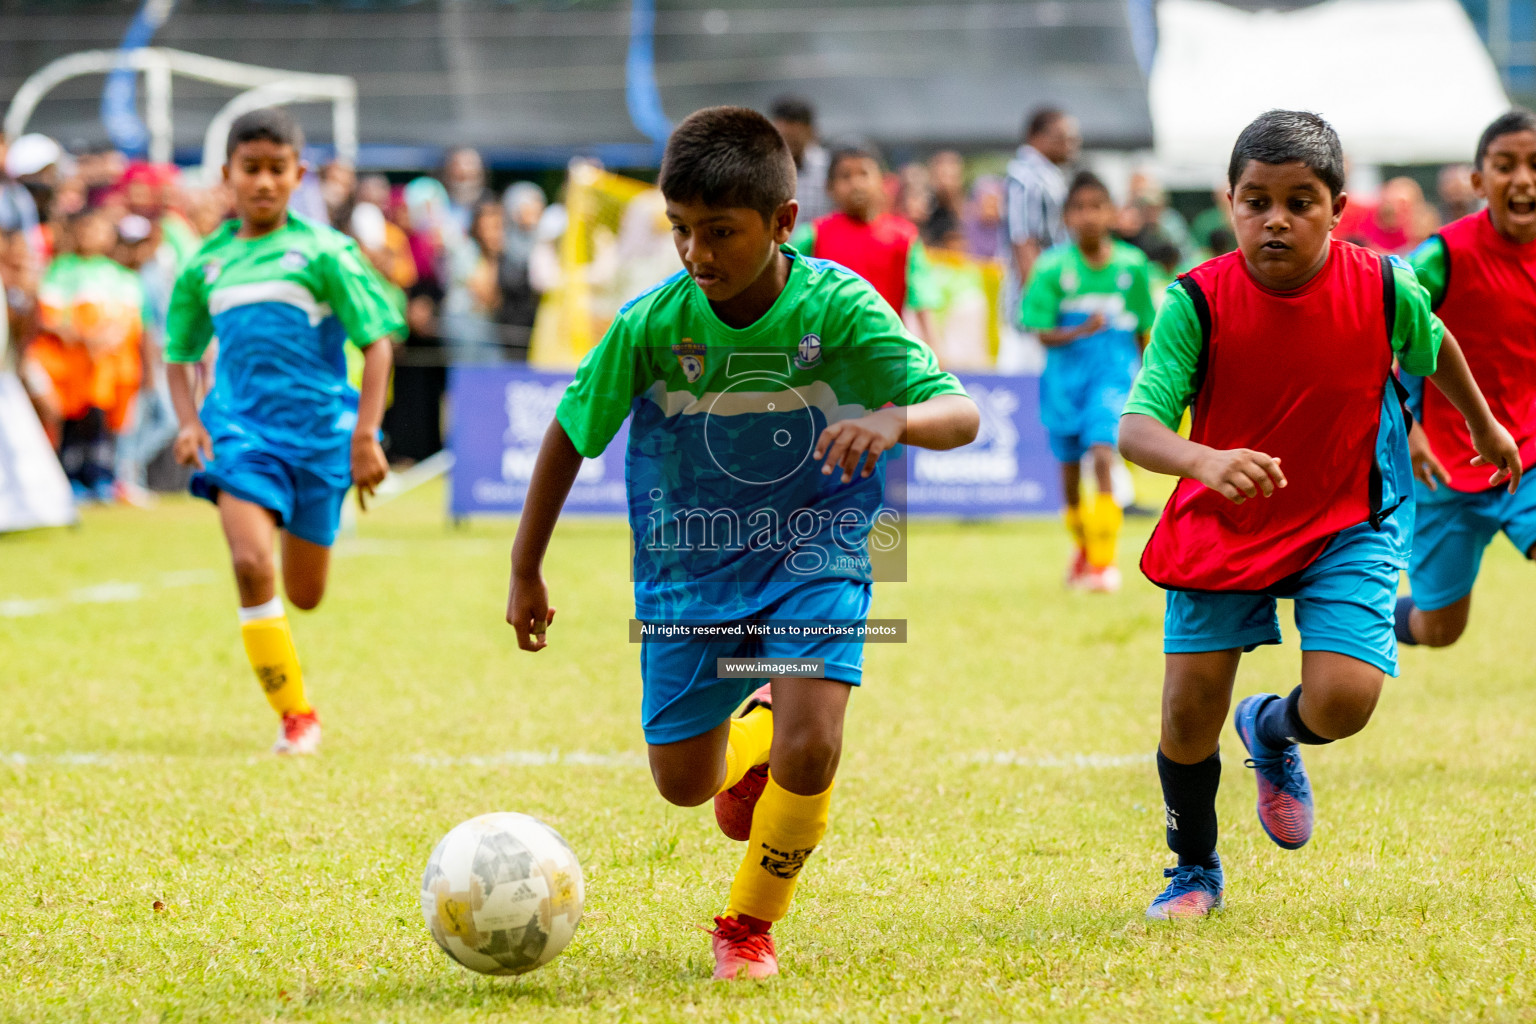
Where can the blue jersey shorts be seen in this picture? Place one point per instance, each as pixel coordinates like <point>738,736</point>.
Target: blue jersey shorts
<point>1344,603</point>
<point>1453,530</point>
<point>306,504</point>
<point>1083,391</point>
<point>684,697</point>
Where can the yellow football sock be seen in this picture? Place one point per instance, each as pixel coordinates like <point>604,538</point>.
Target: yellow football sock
<point>1101,528</point>
<point>751,736</point>
<point>1074,517</point>
<point>785,829</point>
<point>269,646</point>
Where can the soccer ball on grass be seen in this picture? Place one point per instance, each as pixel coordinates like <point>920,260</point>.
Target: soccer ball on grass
<point>502,893</point>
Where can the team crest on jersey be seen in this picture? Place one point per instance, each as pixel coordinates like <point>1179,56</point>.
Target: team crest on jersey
<point>211,271</point>
<point>690,358</point>
<point>1069,280</point>
<point>1123,282</point>
<point>294,260</point>
<point>809,353</point>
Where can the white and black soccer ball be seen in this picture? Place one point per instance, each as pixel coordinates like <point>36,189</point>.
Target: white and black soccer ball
<point>502,893</point>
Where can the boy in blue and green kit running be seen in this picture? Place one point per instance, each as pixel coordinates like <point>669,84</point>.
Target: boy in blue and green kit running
<point>1090,303</point>
<point>282,434</point>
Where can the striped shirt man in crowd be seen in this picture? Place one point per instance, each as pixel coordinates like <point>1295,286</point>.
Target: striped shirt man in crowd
<point>1035,192</point>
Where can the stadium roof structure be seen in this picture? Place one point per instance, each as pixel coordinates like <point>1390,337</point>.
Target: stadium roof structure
<point>536,81</point>
<point>1403,81</point>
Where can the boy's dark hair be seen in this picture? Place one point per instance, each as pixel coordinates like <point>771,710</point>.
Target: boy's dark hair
<point>728,156</point>
<point>1290,136</point>
<point>793,110</point>
<point>1083,181</point>
<point>1517,120</point>
<point>852,150</point>
<point>272,124</point>
<point>1040,120</point>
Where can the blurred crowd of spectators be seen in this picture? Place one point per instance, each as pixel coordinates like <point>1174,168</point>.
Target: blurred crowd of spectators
<point>91,243</point>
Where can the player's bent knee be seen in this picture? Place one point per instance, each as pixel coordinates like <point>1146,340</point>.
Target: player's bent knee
<point>1191,719</point>
<point>1343,711</point>
<point>682,790</point>
<point>807,761</point>
<point>1437,631</point>
<point>305,600</point>
<point>252,567</point>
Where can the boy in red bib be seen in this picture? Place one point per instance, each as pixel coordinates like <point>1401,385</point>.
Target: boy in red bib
<point>1480,272</point>
<point>879,246</point>
<point>1283,350</point>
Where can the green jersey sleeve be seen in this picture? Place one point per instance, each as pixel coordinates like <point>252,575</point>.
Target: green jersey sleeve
<point>923,290</point>
<point>358,296</point>
<point>188,325</point>
<point>893,367</point>
<point>1431,268</point>
<point>1169,367</point>
<point>1417,332</point>
<point>595,405</point>
<point>1042,297</point>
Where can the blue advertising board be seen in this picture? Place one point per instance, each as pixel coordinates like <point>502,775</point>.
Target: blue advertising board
<point>500,414</point>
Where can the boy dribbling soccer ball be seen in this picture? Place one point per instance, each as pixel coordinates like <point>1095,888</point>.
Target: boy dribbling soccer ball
<point>763,387</point>
<point>282,435</point>
<point>1283,351</point>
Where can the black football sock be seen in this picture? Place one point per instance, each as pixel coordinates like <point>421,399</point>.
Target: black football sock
<point>1401,624</point>
<point>1280,725</point>
<point>1189,801</point>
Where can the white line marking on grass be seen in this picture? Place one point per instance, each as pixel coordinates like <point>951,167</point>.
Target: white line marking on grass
<point>1017,760</point>
<point>20,608</point>
<point>189,578</point>
<point>85,758</point>
<point>514,758</point>
<point>107,593</point>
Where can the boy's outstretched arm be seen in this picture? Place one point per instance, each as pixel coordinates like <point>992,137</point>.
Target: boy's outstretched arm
<point>944,421</point>
<point>1495,447</point>
<point>1238,473</point>
<point>528,609</point>
<point>369,466</point>
<point>192,441</point>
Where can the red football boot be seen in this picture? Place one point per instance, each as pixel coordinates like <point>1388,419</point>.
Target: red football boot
<point>743,949</point>
<point>734,807</point>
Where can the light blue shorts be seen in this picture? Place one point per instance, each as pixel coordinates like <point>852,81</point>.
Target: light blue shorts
<point>1081,403</point>
<point>1453,530</point>
<point>1344,603</point>
<point>683,696</point>
<point>306,504</point>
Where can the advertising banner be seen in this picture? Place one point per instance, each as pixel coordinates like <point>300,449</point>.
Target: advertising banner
<point>500,414</point>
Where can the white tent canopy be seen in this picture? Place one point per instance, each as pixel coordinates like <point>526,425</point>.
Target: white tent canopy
<point>1403,81</point>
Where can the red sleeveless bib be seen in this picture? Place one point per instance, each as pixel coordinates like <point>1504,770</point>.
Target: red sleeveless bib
<point>876,251</point>
<point>1298,375</point>
<point>1489,306</point>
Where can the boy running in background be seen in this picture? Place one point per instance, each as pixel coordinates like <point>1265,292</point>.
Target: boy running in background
<point>879,246</point>
<point>1090,303</point>
<point>282,434</point>
<point>764,388</point>
<point>1283,349</point>
<point>1480,272</point>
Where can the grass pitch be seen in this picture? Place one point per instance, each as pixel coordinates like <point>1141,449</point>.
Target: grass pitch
<point>996,833</point>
